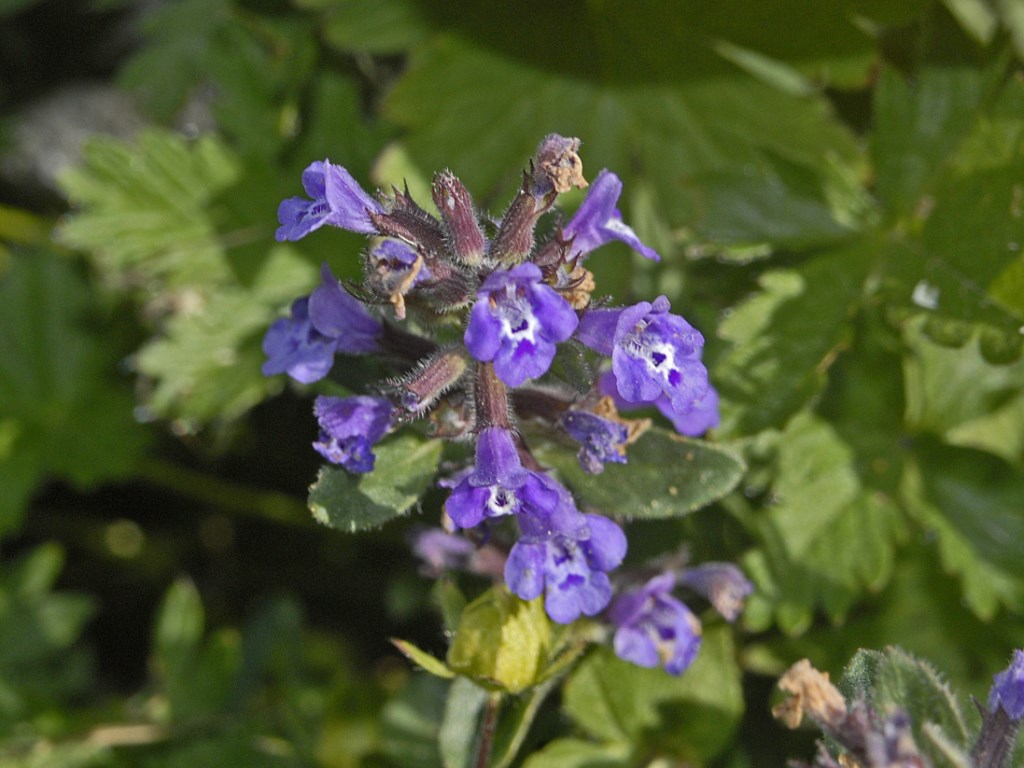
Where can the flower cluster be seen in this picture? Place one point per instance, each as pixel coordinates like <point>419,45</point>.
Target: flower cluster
<point>479,309</point>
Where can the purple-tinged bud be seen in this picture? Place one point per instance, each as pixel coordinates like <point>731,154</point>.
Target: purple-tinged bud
<point>569,569</point>
<point>338,315</point>
<point>514,239</point>
<point>465,237</point>
<point>337,200</point>
<point>441,551</point>
<point>599,221</point>
<point>1001,722</point>
<point>602,434</point>
<point>293,346</point>
<point>1008,689</point>
<point>653,352</point>
<point>654,628</point>
<point>723,584</point>
<point>394,269</point>
<point>435,376</point>
<point>349,427</point>
<point>516,322</point>
<point>557,166</point>
<point>413,225</point>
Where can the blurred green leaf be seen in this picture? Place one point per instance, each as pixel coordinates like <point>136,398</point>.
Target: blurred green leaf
<point>691,717</point>
<point>144,209</point>
<point>206,366</point>
<point>732,159</point>
<point>62,411</point>
<point>371,26</point>
<point>955,258</point>
<point>40,667</point>
<point>460,728</point>
<point>784,338</point>
<point>666,476</point>
<point>405,467</point>
<point>576,753</point>
<point>971,500</point>
<point>410,723</point>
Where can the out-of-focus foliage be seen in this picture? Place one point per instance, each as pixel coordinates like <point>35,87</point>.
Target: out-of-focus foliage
<point>837,192</point>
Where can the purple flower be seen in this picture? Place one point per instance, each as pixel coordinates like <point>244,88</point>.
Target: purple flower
<point>338,315</point>
<point>498,486</point>
<point>703,416</point>
<point>598,221</point>
<point>1008,689</point>
<point>322,324</point>
<point>721,583</point>
<point>653,353</point>
<point>293,346</point>
<point>654,628</point>
<point>337,199</point>
<point>601,440</point>
<point>516,322</point>
<point>490,489</point>
<point>570,569</point>
<point>349,426</point>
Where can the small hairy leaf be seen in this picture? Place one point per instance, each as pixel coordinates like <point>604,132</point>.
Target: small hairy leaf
<point>666,476</point>
<point>403,472</point>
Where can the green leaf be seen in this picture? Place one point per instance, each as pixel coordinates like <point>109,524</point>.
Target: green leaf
<point>691,717</point>
<point>63,410</point>
<point>666,476</point>
<point>421,658</point>
<point>405,467</point>
<point>971,501</point>
<point>894,679</point>
<point>777,363</point>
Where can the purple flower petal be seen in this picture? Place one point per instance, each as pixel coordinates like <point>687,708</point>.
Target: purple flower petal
<point>349,426</point>
<point>348,201</point>
<point>570,567</point>
<point>293,346</point>
<point>599,221</point>
<point>337,314</point>
<point>654,627</point>
<point>658,353</point>
<point>601,440</point>
<point>516,322</point>
<point>337,199</point>
<point>1008,689</point>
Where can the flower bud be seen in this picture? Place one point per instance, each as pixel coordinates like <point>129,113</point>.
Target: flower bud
<point>502,641</point>
<point>465,237</point>
<point>431,380</point>
<point>515,234</point>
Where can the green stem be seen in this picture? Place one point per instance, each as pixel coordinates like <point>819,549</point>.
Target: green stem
<point>225,495</point>
<point>535,698</point>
